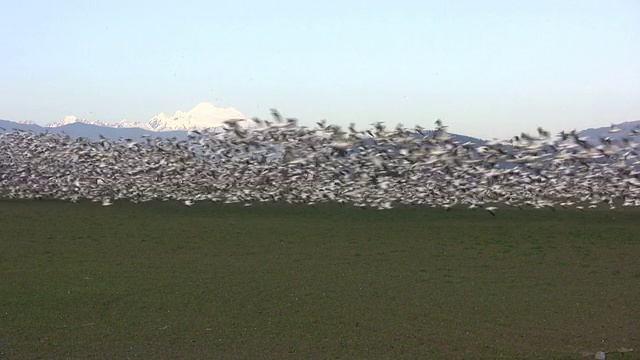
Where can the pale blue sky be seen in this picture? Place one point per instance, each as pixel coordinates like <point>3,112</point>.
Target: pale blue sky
<point>487,68</point>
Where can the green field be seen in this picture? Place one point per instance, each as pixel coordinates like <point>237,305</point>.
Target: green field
<point>162,280</point>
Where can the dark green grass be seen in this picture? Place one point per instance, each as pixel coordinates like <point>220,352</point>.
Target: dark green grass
<point>160,280</point>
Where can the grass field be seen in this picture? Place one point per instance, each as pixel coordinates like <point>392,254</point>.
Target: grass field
<point>161,280</point>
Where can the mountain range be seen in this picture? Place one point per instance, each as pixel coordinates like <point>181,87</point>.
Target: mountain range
<point>206,115</point>
<point>203,115</point>
<point>615,132</point>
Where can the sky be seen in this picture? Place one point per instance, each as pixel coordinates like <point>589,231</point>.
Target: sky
<point>490,69</point>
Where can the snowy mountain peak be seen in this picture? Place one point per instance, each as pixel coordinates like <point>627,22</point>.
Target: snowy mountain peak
<point>162,122</point>
<point>72,119</point>
<point>124,123</point>
<point>202,116</point>
<point>205,107</point>
<point>65,121</point>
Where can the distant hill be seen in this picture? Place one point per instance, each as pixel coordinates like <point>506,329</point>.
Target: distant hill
<point>462,138</point>
<point>7,125</point>
<point>91,132</point>
<point>606,131</point>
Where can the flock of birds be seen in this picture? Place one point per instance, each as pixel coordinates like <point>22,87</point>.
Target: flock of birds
<point>279,161</point>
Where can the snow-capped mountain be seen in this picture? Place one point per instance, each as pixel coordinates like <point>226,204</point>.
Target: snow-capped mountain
<point>202,116</point>
<point>126,124</point>
<point>72,119</point>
